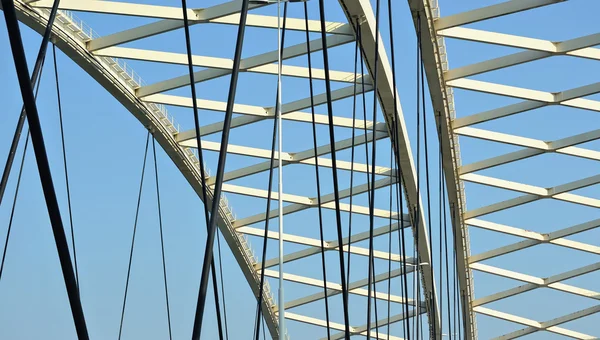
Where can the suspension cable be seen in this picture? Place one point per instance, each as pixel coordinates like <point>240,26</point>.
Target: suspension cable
<point>37,69</point>
<point>14,204</point>
<point>418,205</point>
<point>314,132</point>
<point>372,189</point>
<point>352,148</point>
<point>457,299</point>
<point>64,154</point>
<point>162,242</point>
<point>269,194</point>
<point>37,140</point>
<point>389,283</point>
<point>220,172</point>
<point>368,172</point>
<point>441,212</point>
<point>398,174</point>
<point>188,45</point>
<point>431,298</point>
<point>222,284</point>
<point>135,223</point>
<point>12,211</point>
<point>334,171</point>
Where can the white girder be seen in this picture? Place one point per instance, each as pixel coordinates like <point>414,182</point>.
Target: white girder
<point>352,286</point>
<point>490,12</point>
<point>555,237</point>
<point>206,15</point>
<point>332,286</point>
<point>533,50</point>
<point>337,326</point>
<point>226,64</point>
<point>535,326</point>
<point>302,156</point>
<point>315,245</point>
<point>246,63</point>
<point>288,157</point>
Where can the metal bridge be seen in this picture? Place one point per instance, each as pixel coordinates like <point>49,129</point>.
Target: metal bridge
<point>371,237</point>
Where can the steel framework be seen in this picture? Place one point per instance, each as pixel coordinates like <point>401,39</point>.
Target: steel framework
<point>443,80</point>
<point>102,58</point>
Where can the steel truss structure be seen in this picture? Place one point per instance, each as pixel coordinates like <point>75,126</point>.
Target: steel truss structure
<point>101,56</point>
<point>444,81</point>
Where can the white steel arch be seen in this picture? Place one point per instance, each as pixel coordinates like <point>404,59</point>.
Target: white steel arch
<point>96,55</point>
<point>443,79</point>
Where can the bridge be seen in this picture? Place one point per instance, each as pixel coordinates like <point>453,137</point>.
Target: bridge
<point>300,169</point>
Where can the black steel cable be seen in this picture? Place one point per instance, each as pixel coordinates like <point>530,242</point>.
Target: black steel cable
<point>162,241</point>
<point>389,286</point>
<point>398,174</point>
<point>417,209</point>
<point>372,189</point>
<point>318,180</point>
<point>352,149</point>
<point>64,154</point>
<point>135,222</point>
<point>39,148</point>
<point>269,194</point>
<point>220,171</point>
<point>454,289</point>
<point>14,204</point>
<point>188,46</point>
<point>12,211</point>
<point>457,302</point>
<point>334,171</point>
<point>451,331</point>
<point>440,232</point>
<point>222,284</point>
<point>365,131</point>
<point>37,69</point>
<point>431,298</point>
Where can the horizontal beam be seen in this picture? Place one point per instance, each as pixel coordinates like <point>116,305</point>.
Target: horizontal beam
<point>226,64</point>
<point>553,282</point>
<point>533,193</point>
<point>577,47</point>
<point>220,14</point>
<point>534,147</point>
<point>332,291</point>
<point>336,286</point>
<point>333,325</point>
<point>266,154</point>
<point>362,330</point>
<point>550,326</point>
<point>553,323</point>
<point>556,238</point>
<point>327,201</point>
<point>489,12</point>
<point>303,202</point>
<point>563,98</point>
<point>250,62</point>
<point>333,245</point>
<point>301,156</point>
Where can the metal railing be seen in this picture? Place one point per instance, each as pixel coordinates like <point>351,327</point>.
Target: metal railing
<point>125,71</point>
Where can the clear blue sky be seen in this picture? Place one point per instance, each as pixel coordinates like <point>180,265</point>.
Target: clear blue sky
<point>105,151</point>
